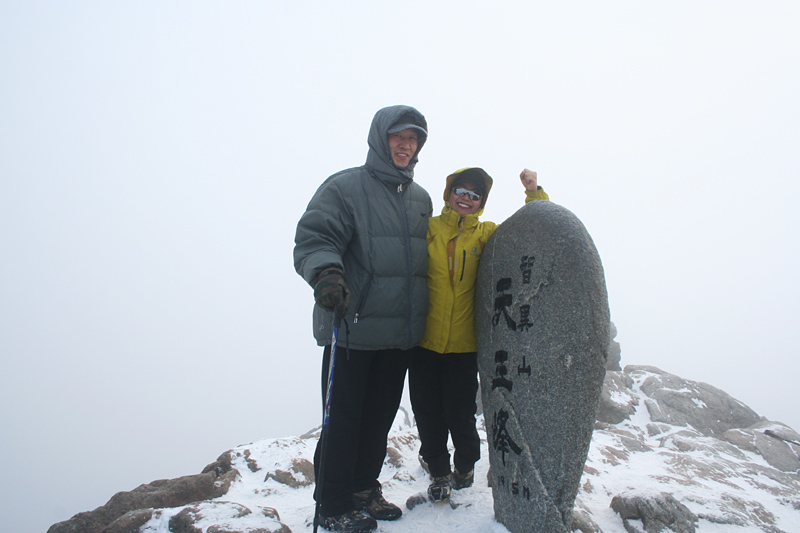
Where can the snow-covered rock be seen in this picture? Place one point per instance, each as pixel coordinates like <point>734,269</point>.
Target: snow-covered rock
<point>683,439</point>
<point>668,453</point>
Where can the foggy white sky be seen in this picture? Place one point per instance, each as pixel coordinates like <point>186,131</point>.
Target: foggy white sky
<point>156,156</point>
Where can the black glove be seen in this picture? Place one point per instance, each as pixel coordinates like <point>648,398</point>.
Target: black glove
<point>331,290</point>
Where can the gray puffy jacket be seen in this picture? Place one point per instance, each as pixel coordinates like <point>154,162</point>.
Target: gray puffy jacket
<point>371,221</point>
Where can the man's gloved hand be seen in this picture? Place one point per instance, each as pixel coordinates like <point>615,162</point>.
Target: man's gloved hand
<point>331,290</point>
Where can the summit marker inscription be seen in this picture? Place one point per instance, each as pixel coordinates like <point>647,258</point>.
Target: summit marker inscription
<point>543,326</point>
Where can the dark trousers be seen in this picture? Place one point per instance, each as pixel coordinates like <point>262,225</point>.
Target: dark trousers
<point>443,389</point>
<point>367,389</point>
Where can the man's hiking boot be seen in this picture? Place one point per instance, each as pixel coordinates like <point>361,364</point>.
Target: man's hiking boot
<point>462,481</point>
<point>371,501</point>
<point>354,521</point>
<point>439,490</point>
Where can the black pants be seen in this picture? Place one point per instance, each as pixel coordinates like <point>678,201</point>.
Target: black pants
<point>443,389</point>
<point>367,388</point>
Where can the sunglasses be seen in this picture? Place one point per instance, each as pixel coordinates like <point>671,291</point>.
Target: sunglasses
<point>460,191</point>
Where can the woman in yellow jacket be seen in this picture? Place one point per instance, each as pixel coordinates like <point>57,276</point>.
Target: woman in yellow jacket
<point>443,373</point>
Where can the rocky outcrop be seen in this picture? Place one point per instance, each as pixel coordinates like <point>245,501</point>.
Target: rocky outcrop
<point>657,513</point>
<point>131,522</point>
<point>127,511</point>
<point>582,521</point>
<point>680,402</point>
<point>299,474</point>
<point>617,400</point>
<point>672,400</point>
<point>225,517</point>
<point>715,451</point>
<point>641,474</point>
<point>614,351</point>
<point>778,446</point>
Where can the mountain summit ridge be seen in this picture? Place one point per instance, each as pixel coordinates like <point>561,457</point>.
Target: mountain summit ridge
<point>667,454</point>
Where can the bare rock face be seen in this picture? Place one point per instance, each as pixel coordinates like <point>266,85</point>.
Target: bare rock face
<point>300,474</point>
<point>212,483</point>
<point>130,522</point>
<point>543,329</point>
<point>614,351</point>
<point>227,518</point>
<point>776,446</point>
<point>617,401</point>
<point>657,513</point>
<point>677,401</point>
<point>672,400</point>
<point>582,521</point>
<point>713,474</point>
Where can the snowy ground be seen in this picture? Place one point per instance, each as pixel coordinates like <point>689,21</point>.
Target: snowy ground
<point>650,472</point>
<point>473,514</point>
<point>717,481</point>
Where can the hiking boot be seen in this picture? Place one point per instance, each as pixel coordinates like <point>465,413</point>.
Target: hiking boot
<point>354,521</point>
<point>371,501</point>
<point>439,490</point>
<point>462,481</point>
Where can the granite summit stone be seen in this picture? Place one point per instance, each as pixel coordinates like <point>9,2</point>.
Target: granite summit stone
<point>543,328</point>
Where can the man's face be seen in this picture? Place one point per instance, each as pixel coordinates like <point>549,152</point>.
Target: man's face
<point>464,204</point>
<point>403,146</point>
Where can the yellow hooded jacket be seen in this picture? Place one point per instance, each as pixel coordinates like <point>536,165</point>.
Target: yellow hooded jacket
<point>455,245</point>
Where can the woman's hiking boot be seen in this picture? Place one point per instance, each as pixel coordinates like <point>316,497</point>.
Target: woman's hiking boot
<point>355,521</point>
<point>462,481</point>
<point>372,501</point>
<point>439,490</point>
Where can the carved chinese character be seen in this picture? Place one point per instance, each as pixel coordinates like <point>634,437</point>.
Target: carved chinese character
<point>501,371</point>
<point>526,266</point>
<point>525,317</point>
<point>501,438</point>
<point>523,368</point>
<point>501,304</point>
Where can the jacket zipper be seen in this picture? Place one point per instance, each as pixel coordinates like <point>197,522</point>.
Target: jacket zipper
<point>363,299</point>
<point>464,251</point>
<point>407,243</point>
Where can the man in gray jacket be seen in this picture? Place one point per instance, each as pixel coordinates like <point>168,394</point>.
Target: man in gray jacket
<point>362,245</point>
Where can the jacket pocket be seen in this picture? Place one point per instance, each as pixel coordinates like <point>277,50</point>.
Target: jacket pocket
<point>362,299</point>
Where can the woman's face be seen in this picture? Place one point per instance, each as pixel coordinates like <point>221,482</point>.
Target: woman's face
<point>465,202</point>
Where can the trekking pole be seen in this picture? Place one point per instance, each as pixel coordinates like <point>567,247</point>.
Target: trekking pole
<point>338,313</point>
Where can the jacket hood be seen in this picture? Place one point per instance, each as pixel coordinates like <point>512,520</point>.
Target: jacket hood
<point>472,174</point>
<point>379,158</point>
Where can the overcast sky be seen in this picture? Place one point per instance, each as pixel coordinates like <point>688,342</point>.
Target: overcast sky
<point>155,158</point>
